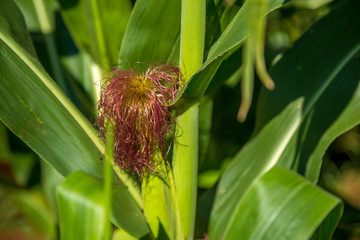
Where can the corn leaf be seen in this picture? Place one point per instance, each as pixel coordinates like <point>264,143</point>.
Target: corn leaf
<point>282,205</point>
<point>152,33</point>
<point>325,72</point>
<point>97,26</point>
<point>229,41</point>
<point>81,207</point>
<point>280,119</point>
<point>35,109</point>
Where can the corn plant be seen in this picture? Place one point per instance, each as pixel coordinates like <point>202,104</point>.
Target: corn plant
<point>120,113</point>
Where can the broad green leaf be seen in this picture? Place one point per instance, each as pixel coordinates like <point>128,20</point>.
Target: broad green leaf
<point>229,41</point>
<point>282,205</point>
<point>280,119</point>
<point>325,72</point>
<point>81,207</point>
<point>256,157</point>
<point>82,211</point>
<point>152,33</point>
<point>97,26</point>
<point>35,109</point>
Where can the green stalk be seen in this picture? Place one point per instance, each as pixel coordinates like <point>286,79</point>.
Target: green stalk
<point>108,175</point>
<point>185,158</point>
<point>185,164</point>
<point>192,36</point>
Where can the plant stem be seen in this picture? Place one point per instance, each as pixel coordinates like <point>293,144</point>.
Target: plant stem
<point>185,158</point>
<point>108,174</point>
<point>185,164</point>
<point>192,36</point>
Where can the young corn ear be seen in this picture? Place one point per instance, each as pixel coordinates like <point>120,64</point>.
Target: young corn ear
<point>135,104</point>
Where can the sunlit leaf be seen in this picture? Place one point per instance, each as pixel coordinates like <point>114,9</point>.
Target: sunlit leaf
<point>281,205</point>
<point>325,72</point>
<point>159,204</point>
<point>152,33</point>
<point>38,112</point>
<point>230,40</point>
<point>47,121</point>
<point>305,96</point>
<point>81,207</point>
<point>255,158</point>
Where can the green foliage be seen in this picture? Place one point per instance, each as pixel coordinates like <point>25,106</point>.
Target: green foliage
<point>159,207</point>
<point>81,207</point>
<point>280,205</point>
<point>152,33</point>
<point>280,121</point>
<point>266,191</point>
<point>328,82</point>
<point>53,123</point>
<point>98,34</point>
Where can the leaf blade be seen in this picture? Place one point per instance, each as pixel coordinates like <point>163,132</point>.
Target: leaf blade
<point>152,33</point>
<point>283,117</point>
<point>16,63</point>
<point>230,40</point>
<point>97,26</point>
<point>282,205</point>
<point>331,88</point>
<point>36,110</point>
<point>81,207</point>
